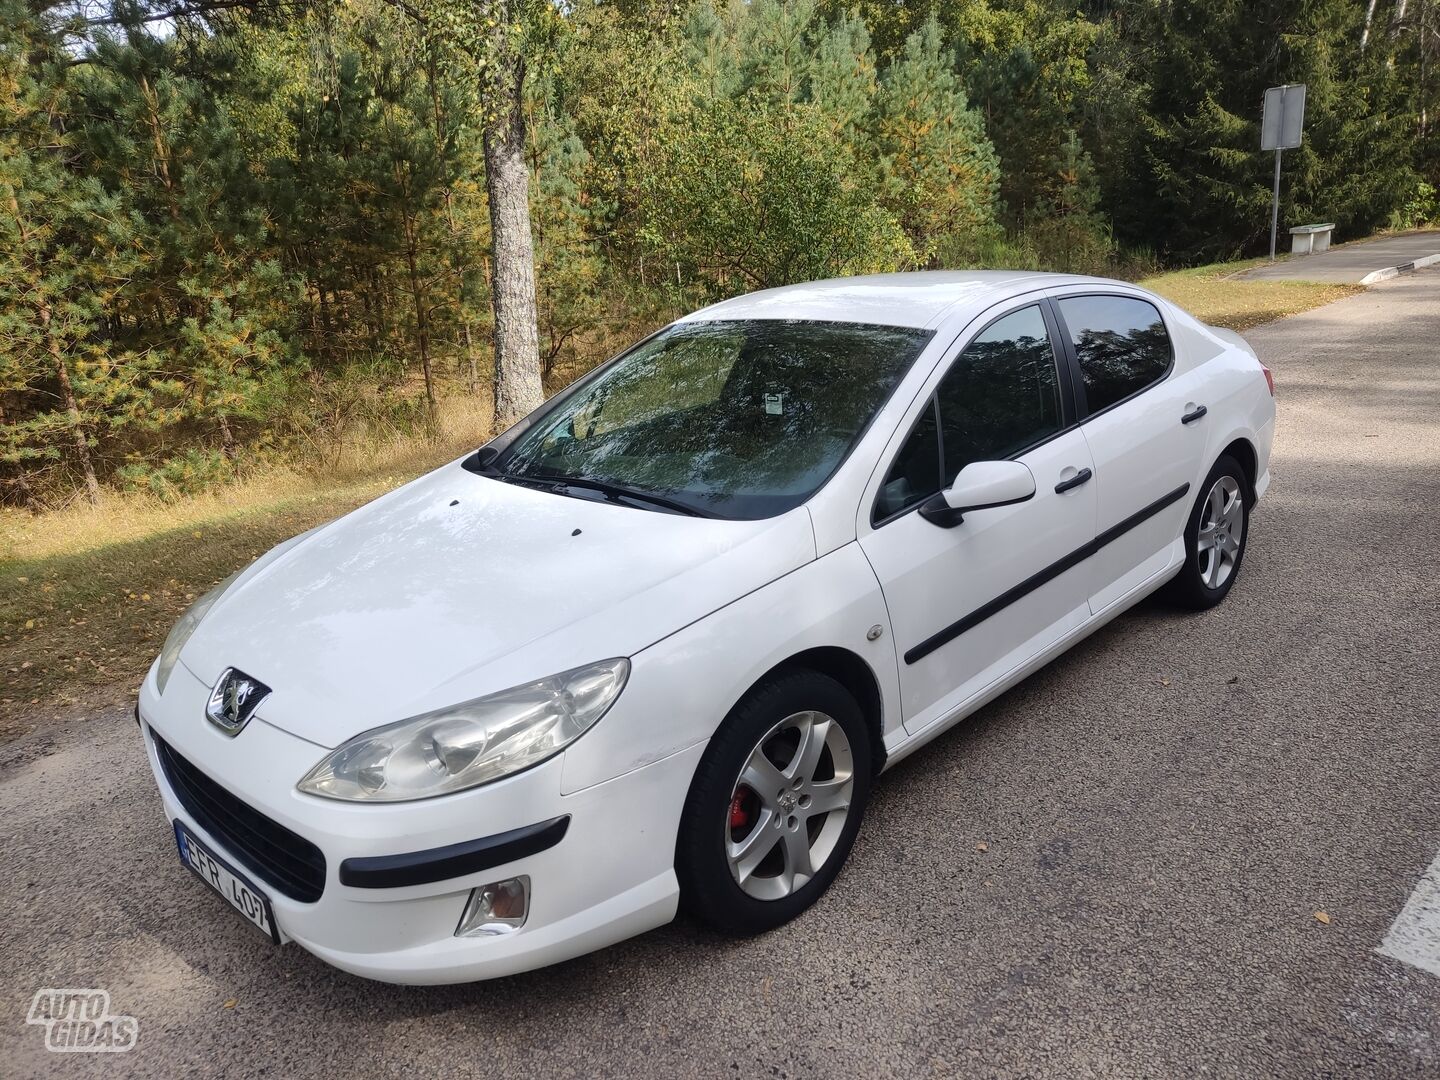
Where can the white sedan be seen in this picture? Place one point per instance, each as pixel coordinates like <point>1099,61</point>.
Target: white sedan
<point>651,647</point>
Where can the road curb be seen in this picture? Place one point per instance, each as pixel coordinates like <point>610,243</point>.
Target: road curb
<point>1402,268</point>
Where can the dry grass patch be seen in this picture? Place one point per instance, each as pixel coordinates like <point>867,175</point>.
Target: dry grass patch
<point>1219,296</point>
<point>87,594</point>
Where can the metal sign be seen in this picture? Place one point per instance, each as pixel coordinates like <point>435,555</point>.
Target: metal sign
<point>1283,118</point>
<point>1280,125</point>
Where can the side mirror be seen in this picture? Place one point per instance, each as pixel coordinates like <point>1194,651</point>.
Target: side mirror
<point>980,486</point>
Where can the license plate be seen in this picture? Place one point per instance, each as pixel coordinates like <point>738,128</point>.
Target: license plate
<point>227,881</point>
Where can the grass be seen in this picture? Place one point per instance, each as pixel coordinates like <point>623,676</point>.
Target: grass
<point>88,594</point>
<point>1219,296</point>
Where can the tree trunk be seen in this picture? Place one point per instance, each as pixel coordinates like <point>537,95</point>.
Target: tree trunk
<point>512,270</point>
<point>422,315</point>
<point>469,341</point>
<point>227,437</point>
<point>72,410</point>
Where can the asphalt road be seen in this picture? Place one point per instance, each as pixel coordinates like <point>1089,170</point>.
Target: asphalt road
<point>1351,262</point>
<point>1165,809</point>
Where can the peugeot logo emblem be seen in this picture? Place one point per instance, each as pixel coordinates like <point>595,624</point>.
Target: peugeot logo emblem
<point>234,700</point>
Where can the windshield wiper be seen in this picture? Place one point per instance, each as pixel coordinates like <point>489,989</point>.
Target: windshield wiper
<point>612,492</point>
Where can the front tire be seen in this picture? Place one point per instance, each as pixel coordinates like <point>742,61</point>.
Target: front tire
<point>775,804</point>
<point>1215,538</point>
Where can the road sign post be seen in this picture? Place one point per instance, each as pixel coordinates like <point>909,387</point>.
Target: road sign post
<point>1281,122</point>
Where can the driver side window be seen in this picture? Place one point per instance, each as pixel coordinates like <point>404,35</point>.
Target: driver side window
<point>1001,396</point>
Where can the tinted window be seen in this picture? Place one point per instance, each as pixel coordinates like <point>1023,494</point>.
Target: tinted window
<point>741,419</point>
<point>1121,344</point>
<point>1002,393</point>
<point>915,474</point>
<point>1000,396</point>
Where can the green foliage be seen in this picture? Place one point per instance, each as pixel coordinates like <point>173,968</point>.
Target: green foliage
<point>750,200</point>
<point>938,169</point>
<point>243,232</point>
<point>1067,227</point>
<point>1198,169</point>
<point>187,473</point>
<point>1422,208</point>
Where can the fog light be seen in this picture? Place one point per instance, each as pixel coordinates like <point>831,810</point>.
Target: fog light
<point>497,908</point>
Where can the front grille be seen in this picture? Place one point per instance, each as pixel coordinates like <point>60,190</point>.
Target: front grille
<point>282,859</point>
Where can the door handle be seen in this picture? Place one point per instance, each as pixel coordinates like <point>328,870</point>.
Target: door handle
<point>1191,417</point>
<point>1081,477</point>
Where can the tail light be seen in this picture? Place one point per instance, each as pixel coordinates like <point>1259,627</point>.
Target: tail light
<point>1269,379</point>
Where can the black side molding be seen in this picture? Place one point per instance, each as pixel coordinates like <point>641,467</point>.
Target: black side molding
<point>454,860</point>
<point>1050,573</point>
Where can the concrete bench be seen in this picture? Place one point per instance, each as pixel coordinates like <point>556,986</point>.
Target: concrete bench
<point>1310,239</point>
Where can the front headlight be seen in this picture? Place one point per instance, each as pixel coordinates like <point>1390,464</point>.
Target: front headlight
<point>474,743</point>
<point>181,631</point>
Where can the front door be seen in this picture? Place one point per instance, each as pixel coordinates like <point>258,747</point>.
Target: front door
<point>970,603</point>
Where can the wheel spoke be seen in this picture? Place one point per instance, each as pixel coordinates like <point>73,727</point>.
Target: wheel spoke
<point>1232,545</point>
<point>807,753</point>
<point>1234,516</point>
<point>828,795</point>
<point>763,778</point>
<point>797,854</point>
<point>751,849</point>
<point>1216,504</point>
<point>1206,539</point>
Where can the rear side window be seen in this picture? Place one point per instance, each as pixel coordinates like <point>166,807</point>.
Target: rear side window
<point>1121,344</point>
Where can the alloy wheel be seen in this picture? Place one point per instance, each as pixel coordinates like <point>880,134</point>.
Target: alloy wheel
<point>789,805</point>
<point>1222,531</point>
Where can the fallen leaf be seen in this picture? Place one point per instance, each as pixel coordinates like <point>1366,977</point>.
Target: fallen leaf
<point>982,846</point>
<point>29,624</point>
<point>230,1003</point>
<point>1323,918</point>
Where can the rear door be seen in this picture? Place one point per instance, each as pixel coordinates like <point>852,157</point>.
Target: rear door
<point>970,603</point>
<point>1145,427</point>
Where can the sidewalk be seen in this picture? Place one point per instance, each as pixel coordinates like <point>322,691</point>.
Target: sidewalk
<point>1362,262</point>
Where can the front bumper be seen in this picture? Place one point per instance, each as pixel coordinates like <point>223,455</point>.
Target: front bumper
<point>610,876</point>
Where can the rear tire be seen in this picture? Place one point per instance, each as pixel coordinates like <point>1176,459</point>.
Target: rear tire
<point>1215,538</point>
<point>775,804</point>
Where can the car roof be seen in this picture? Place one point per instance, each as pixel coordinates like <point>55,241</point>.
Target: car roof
<point>918,299</point>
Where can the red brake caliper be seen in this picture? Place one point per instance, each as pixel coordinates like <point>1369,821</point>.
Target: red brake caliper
<point>739,816</point>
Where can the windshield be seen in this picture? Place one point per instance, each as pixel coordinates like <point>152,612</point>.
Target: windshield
<point>742,419</point>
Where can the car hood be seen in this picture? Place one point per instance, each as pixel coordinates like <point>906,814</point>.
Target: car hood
<point>458,585</point>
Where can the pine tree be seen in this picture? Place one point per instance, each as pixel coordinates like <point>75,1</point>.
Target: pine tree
<point>775,50</point>
<point>48,309</point>
<point>842,76</point>
<point>939,169</point>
